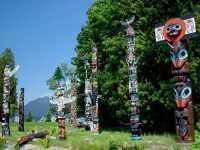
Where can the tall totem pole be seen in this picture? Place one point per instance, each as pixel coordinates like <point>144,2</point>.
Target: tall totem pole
<point>88,95</point>
<point>6,99</point>
<point>6,102</point>
<point>21,110</point>
<point>73,104</point>
<point>95,103</point>
<point>133,85</point>
<point>174,32</point>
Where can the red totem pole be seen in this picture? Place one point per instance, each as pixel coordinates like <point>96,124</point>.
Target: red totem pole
<point>174,32</point>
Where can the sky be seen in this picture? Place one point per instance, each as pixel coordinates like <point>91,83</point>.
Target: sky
<point>42,34</point>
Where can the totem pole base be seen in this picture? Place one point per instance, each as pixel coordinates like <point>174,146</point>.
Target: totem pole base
<point>135,138</point>
<point>95,130</point>
<point>61,126</point>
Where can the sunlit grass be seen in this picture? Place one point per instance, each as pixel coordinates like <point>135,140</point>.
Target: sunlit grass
<point>78,138</point>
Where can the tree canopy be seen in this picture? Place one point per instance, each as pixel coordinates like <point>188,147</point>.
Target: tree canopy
<point>104,31</point>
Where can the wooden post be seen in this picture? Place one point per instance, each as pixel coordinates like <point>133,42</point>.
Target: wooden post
<point>61,126</point>
<point>21,110</point>
<point>73,104</point>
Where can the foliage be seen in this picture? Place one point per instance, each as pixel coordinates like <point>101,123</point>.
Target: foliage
<point>7,58</point>
<point>60,77</point>
<point>29,117</point>
<point>104,31</point>
<point>55,81</point>
<point>2,143</point>
<point>48,116</point>
<point>198,126</point>
<point>196,145</point>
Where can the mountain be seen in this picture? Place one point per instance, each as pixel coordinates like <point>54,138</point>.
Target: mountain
<point>38,107</point>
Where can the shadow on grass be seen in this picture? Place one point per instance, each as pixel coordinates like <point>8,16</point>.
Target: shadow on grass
<point>117,129</point>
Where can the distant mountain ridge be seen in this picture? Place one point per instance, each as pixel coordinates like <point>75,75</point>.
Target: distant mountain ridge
<point>39,107</point>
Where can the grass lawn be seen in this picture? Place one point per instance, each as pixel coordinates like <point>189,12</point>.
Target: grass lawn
<point>78,138</point>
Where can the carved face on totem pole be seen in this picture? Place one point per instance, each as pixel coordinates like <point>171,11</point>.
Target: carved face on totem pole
<point>183,94</point>
<point>179,59</point>
<point>174,30</point>
<point>182,121</point>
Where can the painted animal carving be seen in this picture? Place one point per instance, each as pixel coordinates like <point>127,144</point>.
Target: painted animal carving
<point>174,29</point>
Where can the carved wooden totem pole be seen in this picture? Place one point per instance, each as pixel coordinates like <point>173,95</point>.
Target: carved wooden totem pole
<point>73,104</point>
<point>88,95</point>
<point>21,110</point>
<point>95,106</point>
<point>6,102</point>
<point>133,85</point>
<point>174,32</point>
<point>6,99</point>
<point>60,101</point>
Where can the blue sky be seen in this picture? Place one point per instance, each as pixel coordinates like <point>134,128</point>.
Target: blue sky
<point>42,34</point>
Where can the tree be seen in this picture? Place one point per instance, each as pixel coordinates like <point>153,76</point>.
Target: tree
<point>55,81</point>
<point>48,116</point>
<point>61,77</point>
<point>29,118</point>
<point>104,31</point>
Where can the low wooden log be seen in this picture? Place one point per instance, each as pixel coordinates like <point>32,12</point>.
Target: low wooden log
<point>25,139</point>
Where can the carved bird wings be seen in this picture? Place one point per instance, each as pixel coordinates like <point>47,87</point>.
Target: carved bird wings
<point>128,22</point>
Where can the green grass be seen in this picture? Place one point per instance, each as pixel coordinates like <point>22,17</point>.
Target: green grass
<point>78,138</point>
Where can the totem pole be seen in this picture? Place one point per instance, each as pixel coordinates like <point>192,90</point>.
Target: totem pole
<point>73,104</point>
<point>88,95</point>
<point>174,32</point>
<point>21,110</point>
<point>95,106</point>
<point>6,99</point>
<point>60,100</point>
<point>133,85</point>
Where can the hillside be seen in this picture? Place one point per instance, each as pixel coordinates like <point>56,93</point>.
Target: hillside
<point>39,107</point>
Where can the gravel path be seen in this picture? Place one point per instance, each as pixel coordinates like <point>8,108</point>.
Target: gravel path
<point>10,147</point>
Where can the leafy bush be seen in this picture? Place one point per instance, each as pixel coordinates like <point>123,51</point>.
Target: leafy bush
<point>196,145</point>
<point>2,143</point>
<point>198,126</point>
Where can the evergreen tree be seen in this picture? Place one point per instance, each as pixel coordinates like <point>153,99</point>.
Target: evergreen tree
<point>55,81</point>
<point>48,116</point>
<point>105,31</point>
<point>61,77</point>
<point>29,118</point>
